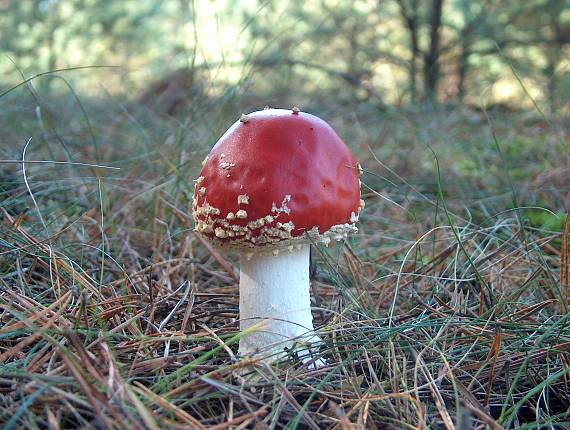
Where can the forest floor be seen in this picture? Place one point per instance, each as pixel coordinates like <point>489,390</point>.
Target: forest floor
<point>448,310</point>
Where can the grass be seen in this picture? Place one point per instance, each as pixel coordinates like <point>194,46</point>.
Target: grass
<point>448,310</point>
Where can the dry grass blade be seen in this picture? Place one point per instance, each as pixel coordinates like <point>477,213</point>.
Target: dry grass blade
<point>48,323</point>
<point>272,377</point>
<point>564,266</point>
<point>241,420</point>
<point>167,406</point>
<point>229,270</point>
<point>436,394</point>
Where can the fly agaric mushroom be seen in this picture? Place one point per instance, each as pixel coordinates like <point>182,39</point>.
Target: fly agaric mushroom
<point>275,182</point>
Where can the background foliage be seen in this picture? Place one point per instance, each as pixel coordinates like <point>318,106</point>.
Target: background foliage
<point>385,51</point>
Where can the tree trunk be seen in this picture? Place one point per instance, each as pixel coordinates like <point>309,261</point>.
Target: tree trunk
<point>410,18</point>
<point>466,39</point>
<point>463,65</point>
<point>554,54</point>
<point>431,68</point>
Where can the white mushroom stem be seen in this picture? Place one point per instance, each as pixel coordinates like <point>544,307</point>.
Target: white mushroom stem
<point>275,304</point>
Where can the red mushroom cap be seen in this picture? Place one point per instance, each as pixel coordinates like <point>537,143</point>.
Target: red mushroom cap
<point>275,177</point>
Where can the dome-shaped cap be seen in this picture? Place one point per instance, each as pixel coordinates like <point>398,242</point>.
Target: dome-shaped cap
<point>277,177</point>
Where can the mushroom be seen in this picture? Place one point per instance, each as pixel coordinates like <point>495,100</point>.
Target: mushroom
<point>275,182</point>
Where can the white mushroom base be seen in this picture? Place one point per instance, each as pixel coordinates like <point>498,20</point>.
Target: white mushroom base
<point>275,303</point>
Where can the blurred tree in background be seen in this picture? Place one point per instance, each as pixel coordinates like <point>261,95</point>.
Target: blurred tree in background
<point>383,52</point>
<point>404,51</point>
